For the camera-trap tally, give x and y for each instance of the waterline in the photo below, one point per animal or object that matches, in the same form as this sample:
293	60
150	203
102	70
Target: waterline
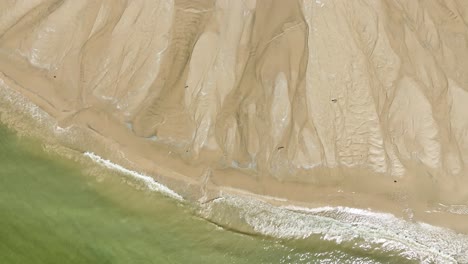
147	180
355	227
414	240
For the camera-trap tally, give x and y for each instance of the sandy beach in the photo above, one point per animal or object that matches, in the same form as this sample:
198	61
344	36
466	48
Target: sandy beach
361	104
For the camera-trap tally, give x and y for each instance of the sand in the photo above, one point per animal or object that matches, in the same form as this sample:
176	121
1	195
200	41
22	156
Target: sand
352	103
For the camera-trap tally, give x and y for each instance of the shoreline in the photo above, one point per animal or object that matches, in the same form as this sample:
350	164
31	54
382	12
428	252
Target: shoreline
201	183
205	186
283	219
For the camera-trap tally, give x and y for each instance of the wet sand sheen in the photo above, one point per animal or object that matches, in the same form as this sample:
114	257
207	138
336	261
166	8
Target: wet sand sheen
53	213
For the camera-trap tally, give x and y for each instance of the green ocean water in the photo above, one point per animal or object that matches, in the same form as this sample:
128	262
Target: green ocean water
51	211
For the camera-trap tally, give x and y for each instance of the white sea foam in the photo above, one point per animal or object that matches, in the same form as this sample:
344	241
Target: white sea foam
360	228
149	181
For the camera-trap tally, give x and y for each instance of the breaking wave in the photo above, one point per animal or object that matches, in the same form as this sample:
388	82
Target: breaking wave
360	229
357	228
147	180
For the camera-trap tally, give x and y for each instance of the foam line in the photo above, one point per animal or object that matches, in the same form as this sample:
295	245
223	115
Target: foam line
149	181
364	229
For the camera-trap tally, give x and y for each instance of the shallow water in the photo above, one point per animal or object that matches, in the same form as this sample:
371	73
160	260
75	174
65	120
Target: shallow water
55	211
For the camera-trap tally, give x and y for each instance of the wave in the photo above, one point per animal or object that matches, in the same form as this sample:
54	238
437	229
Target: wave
361	228
149	181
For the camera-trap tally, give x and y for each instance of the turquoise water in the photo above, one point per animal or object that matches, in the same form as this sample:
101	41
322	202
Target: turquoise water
54	211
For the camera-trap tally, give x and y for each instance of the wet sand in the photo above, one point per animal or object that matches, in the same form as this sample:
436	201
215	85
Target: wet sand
359	104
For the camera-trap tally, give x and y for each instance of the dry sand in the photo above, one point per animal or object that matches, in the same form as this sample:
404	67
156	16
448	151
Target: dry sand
325	102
